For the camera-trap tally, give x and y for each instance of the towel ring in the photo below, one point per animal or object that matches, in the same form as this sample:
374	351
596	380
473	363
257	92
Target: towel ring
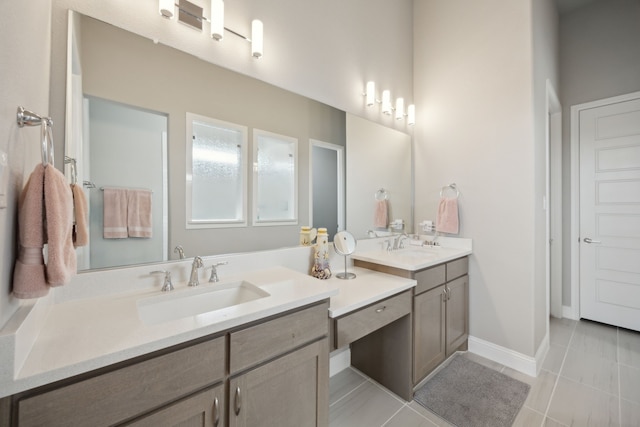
451	186
381	194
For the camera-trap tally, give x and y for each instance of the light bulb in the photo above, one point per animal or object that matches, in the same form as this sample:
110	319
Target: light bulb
256	38
217	19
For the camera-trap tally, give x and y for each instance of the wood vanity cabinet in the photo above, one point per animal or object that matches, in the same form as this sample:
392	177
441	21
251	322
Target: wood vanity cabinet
273	372
292	388
440	312
440	315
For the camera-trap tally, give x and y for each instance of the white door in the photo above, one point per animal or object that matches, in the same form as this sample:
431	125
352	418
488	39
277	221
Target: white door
610	214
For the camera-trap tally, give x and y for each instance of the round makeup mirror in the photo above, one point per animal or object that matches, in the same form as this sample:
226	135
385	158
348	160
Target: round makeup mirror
344	244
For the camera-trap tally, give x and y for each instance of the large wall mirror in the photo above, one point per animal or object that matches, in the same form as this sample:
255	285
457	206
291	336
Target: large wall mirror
111	66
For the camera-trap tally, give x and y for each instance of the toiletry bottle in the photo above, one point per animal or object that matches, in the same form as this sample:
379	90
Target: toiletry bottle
320	269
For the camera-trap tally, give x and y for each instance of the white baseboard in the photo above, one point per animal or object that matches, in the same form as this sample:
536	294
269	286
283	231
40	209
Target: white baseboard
526	364
339	360
568	313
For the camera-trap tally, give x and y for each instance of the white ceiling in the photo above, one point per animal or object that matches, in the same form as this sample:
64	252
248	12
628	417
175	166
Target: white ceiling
567	6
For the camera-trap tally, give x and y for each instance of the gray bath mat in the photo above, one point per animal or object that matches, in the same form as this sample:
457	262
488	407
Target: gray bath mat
468	394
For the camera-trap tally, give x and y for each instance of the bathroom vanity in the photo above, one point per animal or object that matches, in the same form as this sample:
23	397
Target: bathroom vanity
416	330
118	355
271	362
101	361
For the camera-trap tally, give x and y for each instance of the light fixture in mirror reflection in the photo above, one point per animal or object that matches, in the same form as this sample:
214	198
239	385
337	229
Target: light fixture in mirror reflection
127	69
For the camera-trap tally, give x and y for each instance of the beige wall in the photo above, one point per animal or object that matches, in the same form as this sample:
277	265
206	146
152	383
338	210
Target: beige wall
473	85
599	58
24	80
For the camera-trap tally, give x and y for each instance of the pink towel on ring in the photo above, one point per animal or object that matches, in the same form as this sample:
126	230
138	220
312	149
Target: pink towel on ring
29	280
45	215
447	217
115	213
139	213
380	215
81	229
58	202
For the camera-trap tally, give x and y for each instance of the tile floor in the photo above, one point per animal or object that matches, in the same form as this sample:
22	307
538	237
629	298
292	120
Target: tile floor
590	377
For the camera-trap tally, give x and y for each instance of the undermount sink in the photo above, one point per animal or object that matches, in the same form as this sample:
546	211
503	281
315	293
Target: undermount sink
194	301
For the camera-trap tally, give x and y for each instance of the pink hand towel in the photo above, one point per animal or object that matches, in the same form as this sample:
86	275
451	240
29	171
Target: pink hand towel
139	213
380	215
58	202
447	217
29	279
81	228
115	213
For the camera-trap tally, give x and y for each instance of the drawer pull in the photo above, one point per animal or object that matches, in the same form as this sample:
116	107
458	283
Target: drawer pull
381	309
238	401
216	412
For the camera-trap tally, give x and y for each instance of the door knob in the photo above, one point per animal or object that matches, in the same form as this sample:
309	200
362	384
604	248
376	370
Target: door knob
589	240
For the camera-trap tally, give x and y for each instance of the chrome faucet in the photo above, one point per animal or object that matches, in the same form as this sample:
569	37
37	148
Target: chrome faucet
180	251
214	271
167	285
193	279
398	242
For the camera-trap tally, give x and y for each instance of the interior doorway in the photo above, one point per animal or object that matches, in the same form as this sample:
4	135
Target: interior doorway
554	202
326	187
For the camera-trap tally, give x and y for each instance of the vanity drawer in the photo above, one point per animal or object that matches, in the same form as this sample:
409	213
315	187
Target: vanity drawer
430	278
457	268
119	395
366	320
256	344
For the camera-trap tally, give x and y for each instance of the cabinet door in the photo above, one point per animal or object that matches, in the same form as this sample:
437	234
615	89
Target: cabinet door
428	332
457	313
200	410
292	390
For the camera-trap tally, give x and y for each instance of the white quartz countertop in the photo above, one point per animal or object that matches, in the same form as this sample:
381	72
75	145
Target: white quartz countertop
413	257
81	330
81	335
367	288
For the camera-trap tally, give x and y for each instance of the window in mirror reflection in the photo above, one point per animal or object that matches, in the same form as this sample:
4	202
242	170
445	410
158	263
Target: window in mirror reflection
275	186
216	173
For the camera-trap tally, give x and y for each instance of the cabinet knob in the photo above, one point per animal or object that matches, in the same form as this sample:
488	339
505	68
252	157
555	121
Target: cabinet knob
381	309
216	412
237	401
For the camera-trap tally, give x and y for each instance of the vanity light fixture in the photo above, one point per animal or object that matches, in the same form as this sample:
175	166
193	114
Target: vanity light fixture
411	115
217	19
387	107
399	108
166	8
386	102
256	38
370	93
193	16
